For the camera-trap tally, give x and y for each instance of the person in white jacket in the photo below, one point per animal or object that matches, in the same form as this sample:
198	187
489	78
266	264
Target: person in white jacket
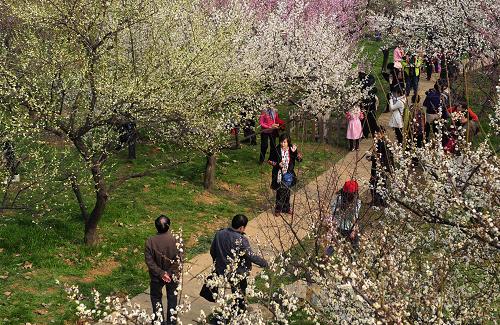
397	106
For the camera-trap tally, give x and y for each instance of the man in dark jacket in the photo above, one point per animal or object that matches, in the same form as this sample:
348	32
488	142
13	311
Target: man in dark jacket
163	259
369	103
230	244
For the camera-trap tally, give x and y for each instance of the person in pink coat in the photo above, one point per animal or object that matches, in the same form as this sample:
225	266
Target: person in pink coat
354	128
398	55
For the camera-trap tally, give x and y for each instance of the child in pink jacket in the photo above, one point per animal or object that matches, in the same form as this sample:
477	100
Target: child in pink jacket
354	128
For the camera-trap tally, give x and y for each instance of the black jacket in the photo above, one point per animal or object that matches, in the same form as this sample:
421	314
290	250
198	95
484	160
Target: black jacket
227	241
275	159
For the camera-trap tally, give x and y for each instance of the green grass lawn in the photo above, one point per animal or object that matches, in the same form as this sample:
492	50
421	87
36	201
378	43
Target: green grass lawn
38	249
373	55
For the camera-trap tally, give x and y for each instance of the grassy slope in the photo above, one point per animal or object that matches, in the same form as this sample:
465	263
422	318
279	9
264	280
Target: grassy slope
52	244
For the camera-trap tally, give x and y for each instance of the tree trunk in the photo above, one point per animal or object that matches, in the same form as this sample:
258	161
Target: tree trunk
131	146
90	237
385	52
209	178
237	144
79	198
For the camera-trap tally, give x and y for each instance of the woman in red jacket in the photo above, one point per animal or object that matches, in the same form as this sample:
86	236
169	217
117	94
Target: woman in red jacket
270	123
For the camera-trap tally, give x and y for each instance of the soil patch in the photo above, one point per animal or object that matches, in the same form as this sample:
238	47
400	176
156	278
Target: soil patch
206	198
102	269
232	188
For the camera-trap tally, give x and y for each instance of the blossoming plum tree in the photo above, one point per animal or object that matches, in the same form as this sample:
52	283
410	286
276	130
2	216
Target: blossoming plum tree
70	69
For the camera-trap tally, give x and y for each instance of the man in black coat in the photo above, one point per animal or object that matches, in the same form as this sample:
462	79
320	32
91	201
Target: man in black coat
369	104
230	244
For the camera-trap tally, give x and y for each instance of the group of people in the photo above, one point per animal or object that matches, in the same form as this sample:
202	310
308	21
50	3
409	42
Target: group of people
439	112
231	253
164	256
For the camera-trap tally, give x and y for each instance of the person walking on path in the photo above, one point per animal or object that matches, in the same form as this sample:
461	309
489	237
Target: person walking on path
163	259
411	68
231	244
283	160
381	158
417	122
354	128
270	123
397	106
369	104
433	110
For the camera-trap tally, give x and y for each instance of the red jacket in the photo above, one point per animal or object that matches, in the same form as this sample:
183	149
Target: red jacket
266	121
472	115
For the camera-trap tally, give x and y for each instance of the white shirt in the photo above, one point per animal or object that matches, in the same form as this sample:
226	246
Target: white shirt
397	109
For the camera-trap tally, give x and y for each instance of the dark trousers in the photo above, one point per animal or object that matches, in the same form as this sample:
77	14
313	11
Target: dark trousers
156	287
420	140
249	135
370	124
241	289
264	139
399	134
354	241
282	199
353	144
411	83
429	71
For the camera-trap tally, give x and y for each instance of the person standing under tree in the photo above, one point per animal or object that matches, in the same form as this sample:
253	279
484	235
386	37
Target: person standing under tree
270	123
369	104
9	158
354	128
163	259
398	55
283	175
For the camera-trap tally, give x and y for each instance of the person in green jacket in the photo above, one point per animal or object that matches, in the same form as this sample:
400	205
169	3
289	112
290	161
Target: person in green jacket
411	67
